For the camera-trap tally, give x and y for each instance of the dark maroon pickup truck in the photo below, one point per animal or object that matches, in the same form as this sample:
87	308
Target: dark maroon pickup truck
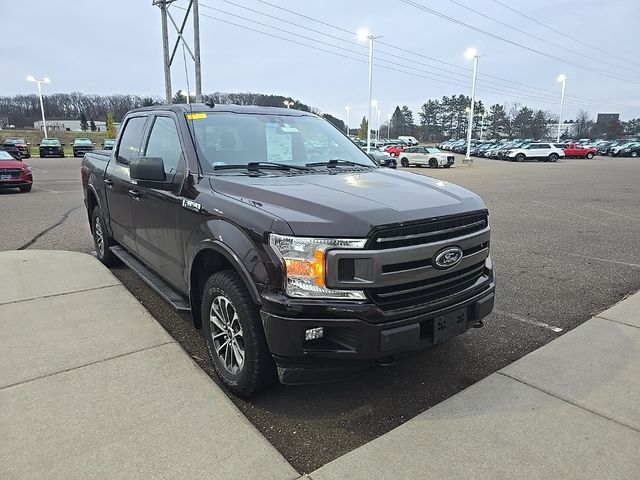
297	255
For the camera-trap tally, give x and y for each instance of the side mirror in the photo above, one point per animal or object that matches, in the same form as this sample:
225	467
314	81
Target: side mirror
149	172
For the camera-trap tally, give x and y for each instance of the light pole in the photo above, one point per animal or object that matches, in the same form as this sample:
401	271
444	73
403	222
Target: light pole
378	115
482	125
364	34
30	78
469	54
561	78
389	127
288	103
348	109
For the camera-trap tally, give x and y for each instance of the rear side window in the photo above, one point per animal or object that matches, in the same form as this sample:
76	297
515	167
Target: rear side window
131	140
544	145
164	142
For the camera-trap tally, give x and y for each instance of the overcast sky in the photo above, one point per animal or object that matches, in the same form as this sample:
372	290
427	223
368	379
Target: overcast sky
115	46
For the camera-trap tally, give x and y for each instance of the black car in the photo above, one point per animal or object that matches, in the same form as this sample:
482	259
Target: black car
21	144
297	263
51	147
383	159
108	143
81	146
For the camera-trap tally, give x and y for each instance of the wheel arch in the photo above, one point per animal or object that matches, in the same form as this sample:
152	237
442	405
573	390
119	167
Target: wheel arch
214	256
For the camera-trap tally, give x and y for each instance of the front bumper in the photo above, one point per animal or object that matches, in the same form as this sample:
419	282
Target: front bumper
351	344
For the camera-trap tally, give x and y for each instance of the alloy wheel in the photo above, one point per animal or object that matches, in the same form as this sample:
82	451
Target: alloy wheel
226	334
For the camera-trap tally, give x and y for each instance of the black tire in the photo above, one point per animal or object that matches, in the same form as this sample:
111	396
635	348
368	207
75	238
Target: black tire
433	163
553	157
447	166
101	239
25	188
404	162
246	366
520	157
589	155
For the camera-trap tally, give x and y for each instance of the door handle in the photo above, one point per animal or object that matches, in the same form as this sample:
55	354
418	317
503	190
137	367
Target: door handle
108	182
135	194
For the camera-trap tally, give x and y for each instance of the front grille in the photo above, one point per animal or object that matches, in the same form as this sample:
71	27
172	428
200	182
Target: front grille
426	291
423	233
15	173
420	283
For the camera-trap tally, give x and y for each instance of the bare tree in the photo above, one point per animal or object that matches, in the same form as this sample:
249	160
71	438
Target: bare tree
584	123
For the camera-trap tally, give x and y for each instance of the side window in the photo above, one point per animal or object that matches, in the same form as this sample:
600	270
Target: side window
164	143
544	145
131	140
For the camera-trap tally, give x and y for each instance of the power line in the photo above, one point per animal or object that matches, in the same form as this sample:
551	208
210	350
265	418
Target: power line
386	67
544	40
511	42
564	34
344	30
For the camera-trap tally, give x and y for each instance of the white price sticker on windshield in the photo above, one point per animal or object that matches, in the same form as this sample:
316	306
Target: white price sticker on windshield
278	145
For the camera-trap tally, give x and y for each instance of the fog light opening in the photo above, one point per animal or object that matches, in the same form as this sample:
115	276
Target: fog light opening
313	333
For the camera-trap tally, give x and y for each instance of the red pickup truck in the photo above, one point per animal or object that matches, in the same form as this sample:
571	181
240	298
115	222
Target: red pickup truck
573	150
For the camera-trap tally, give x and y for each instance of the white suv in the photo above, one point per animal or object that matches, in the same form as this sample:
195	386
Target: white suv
547	152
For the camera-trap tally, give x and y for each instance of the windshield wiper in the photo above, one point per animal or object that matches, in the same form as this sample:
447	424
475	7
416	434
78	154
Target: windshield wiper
335	162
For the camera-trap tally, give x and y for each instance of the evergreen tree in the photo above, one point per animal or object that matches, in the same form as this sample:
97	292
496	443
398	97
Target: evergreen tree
92	126
84	125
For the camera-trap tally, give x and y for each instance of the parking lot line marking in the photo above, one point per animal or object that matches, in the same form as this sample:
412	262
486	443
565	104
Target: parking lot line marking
39	170
604	260
614	213
529	321
571	213
45	189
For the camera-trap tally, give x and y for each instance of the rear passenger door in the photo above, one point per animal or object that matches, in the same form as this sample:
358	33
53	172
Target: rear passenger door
156	213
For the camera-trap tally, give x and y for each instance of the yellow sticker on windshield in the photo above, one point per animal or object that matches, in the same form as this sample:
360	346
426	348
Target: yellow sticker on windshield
196	116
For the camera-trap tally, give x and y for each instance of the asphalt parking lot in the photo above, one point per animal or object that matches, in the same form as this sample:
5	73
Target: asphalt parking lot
564	243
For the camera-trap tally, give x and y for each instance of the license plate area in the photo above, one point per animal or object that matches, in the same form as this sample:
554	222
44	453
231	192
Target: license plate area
5	177
449	325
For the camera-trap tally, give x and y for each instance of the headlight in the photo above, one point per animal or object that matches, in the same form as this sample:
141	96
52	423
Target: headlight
304	261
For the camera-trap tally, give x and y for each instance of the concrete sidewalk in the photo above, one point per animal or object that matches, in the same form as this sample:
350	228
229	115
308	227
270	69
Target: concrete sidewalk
569	410
92	387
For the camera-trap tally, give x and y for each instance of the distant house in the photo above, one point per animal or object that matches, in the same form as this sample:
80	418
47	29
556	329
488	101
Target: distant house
67	125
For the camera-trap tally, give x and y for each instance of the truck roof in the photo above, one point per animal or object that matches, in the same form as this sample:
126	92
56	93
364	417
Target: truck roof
182	108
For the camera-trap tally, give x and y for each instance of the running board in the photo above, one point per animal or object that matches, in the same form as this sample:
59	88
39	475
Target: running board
166	291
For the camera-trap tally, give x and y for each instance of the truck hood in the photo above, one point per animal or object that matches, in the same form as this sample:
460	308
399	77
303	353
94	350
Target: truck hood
348	205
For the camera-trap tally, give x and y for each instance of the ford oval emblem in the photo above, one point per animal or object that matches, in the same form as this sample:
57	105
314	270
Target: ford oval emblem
447	258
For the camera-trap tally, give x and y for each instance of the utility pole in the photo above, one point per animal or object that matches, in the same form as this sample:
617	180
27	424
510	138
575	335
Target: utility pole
168	57
196	49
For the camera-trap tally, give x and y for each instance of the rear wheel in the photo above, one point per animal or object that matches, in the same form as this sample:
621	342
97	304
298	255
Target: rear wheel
634	154
25	188
404	162
589	155
433	163
520	157
234	335
553	157
101	239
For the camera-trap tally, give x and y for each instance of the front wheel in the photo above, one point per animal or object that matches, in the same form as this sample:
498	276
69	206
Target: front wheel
634	154
520	157
234	335
404	162
101	239
589	155
433	163
553	157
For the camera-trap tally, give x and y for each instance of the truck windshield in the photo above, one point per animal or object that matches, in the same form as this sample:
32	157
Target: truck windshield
232	139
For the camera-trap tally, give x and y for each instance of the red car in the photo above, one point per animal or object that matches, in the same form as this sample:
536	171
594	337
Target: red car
394	150
14	173
573	150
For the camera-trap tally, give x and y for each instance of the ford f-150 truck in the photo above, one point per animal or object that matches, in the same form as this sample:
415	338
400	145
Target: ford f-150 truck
298	256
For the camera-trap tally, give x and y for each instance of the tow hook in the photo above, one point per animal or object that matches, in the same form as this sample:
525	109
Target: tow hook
480	324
